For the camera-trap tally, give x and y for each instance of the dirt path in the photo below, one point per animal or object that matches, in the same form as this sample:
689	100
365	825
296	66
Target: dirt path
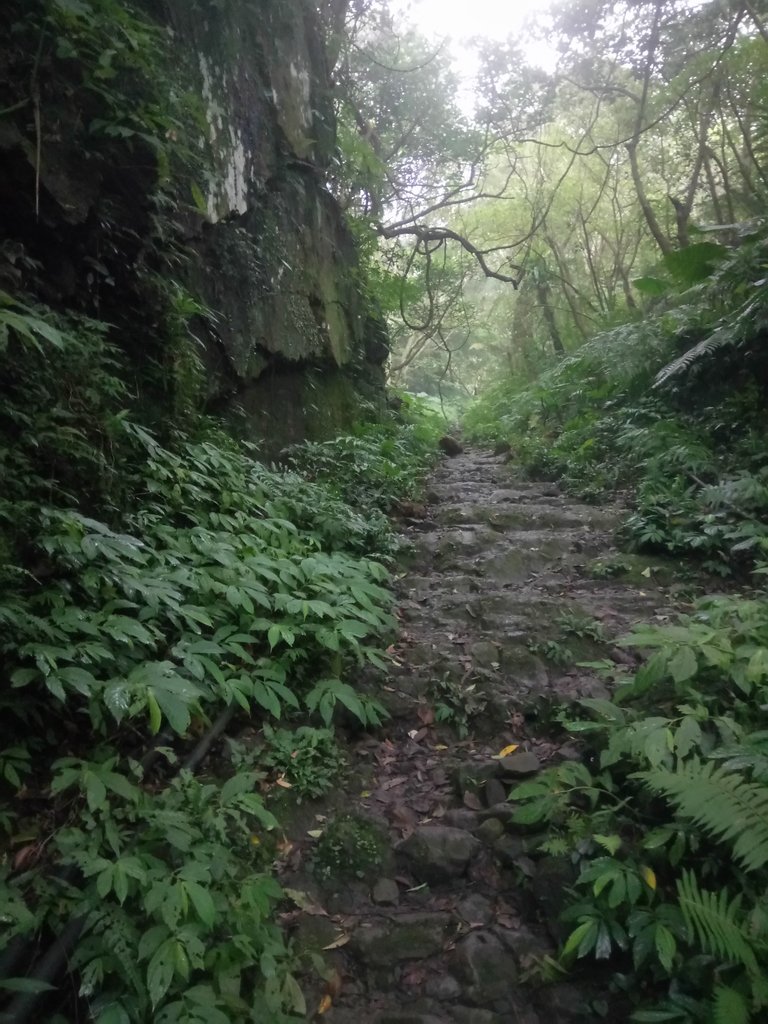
498	601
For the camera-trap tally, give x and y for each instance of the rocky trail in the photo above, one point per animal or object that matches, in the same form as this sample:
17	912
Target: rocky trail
507	585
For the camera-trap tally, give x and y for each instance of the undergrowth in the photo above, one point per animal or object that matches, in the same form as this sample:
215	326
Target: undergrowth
147	586
665	820
670	407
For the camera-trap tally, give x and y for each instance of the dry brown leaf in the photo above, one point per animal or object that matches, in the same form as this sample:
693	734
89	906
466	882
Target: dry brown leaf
398	780
325	1004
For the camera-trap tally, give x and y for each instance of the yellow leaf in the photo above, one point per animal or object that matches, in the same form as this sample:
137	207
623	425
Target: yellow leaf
508	750
255	841
315	833
365	794
649	876
325	1004
284	783
342	940
440	746
646	572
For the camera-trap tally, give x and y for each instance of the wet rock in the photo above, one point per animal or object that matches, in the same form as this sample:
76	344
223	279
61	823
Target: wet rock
473	1015
312	932
475	909
488	971
443	987
494	792
526	946
385	891
449	445
473	775
461	817
522	762
562	1002
485	654
384	942
504	811
438	853
508	849
489	831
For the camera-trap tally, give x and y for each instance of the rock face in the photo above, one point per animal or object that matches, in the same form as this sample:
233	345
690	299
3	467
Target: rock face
207	169
296	342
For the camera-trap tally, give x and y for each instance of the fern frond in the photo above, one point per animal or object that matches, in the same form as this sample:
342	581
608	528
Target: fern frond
723	337
730	1007
722	802
712	922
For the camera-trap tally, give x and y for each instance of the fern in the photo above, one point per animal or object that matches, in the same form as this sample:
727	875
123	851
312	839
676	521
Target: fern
730	1007
727	806
713	922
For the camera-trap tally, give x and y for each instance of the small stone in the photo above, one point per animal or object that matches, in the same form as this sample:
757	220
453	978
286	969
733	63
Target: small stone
494	792
438	853
385	891
488	970
314	932
508	849
473	775
485	654
520	763
504	811
442	986
569	752
473	1015
489	831
475	909
384	942
461	817
524	945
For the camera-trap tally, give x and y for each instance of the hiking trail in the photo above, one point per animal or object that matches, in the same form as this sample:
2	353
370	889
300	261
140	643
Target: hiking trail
499	599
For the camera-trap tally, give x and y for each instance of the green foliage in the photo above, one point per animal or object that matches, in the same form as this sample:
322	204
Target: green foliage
308	758
378	466
148	586
686	435
350	848
665	818
457	702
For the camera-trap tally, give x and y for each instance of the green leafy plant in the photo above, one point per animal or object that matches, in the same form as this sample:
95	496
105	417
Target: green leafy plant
350	847
309	759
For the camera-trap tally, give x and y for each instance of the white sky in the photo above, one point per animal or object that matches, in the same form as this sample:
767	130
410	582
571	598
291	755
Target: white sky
460	20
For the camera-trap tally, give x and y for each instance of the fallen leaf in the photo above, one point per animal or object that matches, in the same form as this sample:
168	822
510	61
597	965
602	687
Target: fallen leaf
315	833
284	783
646	572
440	746
325	1004
397	781
506	751
649	876
337	943
472	802
305	902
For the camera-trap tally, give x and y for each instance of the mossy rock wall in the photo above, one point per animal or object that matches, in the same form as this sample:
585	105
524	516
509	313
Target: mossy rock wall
293	348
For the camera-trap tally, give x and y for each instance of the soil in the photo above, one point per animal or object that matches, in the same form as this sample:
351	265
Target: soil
506	586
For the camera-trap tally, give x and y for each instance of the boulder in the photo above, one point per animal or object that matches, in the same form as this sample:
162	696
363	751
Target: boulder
438	853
